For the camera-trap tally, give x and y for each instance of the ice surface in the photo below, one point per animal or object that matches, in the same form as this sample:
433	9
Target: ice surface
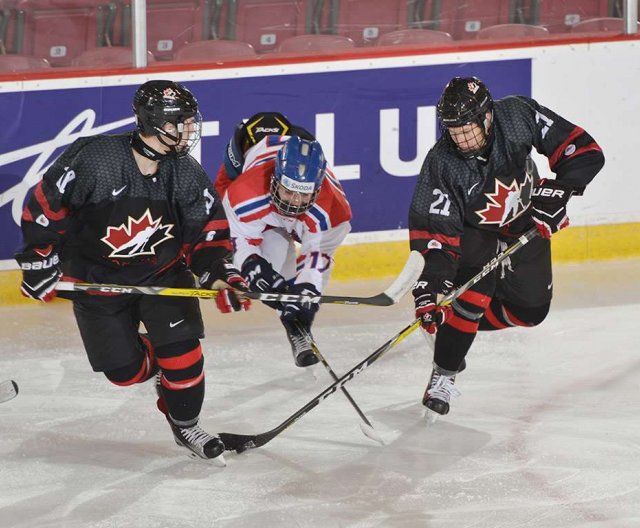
545	434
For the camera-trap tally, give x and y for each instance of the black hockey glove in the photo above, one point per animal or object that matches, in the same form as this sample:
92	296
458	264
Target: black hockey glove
302	312
261	277
40	273
425	297
225	277
549	200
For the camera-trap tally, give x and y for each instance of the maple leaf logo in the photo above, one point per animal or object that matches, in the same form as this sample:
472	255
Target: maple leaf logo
507	202
139	237
169	93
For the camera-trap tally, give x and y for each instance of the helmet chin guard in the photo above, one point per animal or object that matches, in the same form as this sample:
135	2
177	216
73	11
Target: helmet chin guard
298	176
168	111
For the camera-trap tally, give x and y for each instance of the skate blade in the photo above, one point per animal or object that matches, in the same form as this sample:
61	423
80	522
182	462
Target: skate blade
370	432
218	461
431	417
312	372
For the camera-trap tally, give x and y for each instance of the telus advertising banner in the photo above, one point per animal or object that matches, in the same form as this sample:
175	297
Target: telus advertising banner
375	125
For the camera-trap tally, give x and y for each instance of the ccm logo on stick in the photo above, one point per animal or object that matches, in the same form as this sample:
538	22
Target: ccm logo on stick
115	289
289	298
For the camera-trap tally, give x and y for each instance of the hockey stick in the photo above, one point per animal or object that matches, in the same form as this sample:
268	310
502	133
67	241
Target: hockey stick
366	427
8	390
240	442
490	266
403	283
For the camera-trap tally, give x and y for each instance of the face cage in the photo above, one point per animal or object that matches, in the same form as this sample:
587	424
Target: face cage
480	137
180	146
286	208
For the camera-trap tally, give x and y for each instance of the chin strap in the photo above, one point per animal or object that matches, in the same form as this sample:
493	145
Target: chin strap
145	150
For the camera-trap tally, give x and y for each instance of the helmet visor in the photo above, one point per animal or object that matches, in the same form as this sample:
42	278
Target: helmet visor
182	134
470	139
290	200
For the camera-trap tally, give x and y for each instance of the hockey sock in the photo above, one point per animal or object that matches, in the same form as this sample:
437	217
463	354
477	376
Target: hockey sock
455	337
182	379
137	371
451	347
503	314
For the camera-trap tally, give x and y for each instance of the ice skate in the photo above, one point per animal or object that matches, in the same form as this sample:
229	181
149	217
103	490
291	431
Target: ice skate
300	345
439	392
199	443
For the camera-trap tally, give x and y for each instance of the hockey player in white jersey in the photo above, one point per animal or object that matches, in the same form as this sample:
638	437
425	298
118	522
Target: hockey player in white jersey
287	216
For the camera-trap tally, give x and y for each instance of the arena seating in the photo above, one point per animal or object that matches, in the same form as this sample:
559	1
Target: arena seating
59	30
512	31
214	50
405	37
315	43
15	63
560	15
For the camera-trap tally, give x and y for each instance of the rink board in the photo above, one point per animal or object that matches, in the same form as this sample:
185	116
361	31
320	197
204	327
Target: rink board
375	118
385	259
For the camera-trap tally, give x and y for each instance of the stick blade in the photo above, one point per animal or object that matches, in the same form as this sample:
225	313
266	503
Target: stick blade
370	432
407	277
239	442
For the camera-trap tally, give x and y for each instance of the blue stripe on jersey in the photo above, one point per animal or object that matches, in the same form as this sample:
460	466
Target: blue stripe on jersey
321	217
273	139
253	206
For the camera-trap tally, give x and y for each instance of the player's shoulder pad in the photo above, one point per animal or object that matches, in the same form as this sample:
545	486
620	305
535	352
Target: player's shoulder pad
250	184
264	151
249	133
90	147
333	200
514	106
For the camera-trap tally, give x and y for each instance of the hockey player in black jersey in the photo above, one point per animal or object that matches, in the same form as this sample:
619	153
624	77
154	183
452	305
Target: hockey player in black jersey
137	209
477	190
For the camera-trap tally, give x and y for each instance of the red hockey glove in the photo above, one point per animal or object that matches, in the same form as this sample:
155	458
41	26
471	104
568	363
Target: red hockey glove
549	200
261	277
225	277
425	296
303	312
40	273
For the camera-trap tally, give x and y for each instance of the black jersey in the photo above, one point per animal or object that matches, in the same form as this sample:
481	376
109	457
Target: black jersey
493	192
112	224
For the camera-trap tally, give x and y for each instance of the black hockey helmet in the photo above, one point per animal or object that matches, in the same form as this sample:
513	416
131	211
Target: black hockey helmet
158	103
263	124
250	132
464	100
467	100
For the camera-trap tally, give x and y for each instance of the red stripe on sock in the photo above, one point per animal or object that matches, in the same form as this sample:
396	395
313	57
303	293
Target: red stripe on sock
182	384
181	362
512	318
475	298
468	327
493	320
140	376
